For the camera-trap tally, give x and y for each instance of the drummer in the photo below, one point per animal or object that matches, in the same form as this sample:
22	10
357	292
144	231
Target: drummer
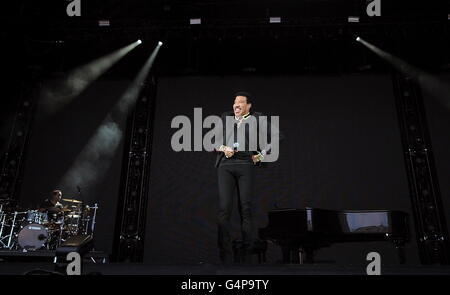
52	205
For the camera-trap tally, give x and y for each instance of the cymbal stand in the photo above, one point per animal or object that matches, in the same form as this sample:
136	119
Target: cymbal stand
61	229
86	222
93	219
12	230
3	219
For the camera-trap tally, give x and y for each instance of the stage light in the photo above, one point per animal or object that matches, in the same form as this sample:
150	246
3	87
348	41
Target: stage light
429	83
103	23
160	43
275	20
139	41
129	98
97	156
60	93
195	21
358	39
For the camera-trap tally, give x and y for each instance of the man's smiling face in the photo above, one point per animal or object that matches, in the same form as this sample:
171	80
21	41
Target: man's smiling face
240	106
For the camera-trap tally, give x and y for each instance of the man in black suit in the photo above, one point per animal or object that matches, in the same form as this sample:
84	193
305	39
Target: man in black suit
236	166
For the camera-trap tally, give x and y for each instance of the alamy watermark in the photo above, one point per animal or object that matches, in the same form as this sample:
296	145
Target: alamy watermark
374	267
246	134
74	8
373	8
74	265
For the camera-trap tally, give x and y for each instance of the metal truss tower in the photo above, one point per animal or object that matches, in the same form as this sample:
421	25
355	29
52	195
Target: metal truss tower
428	211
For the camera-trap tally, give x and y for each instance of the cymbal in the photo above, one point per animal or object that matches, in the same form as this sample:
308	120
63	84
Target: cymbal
74	216
71	200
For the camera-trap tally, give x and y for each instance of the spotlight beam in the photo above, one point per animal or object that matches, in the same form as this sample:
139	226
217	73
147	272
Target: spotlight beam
129	98
54	98
434	86
96	157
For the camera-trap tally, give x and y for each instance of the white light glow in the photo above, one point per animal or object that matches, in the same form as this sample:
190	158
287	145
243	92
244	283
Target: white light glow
195	21
275	20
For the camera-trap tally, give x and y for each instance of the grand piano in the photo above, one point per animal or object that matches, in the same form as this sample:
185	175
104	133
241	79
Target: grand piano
300	232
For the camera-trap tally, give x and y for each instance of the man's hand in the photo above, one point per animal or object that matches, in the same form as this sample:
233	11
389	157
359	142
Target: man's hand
257	158
229	152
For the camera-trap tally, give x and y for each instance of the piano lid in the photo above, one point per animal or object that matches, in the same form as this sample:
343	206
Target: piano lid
333	221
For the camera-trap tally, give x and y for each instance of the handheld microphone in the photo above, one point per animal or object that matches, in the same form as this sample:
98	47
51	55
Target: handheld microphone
235	146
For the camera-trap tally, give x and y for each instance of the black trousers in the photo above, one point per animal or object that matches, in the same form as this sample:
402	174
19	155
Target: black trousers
235	180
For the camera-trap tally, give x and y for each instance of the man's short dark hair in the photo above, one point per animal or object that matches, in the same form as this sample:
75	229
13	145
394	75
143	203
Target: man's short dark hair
246	94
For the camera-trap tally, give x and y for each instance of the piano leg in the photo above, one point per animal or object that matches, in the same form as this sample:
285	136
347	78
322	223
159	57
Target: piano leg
297	255
291	255
306	255
286	251
400	246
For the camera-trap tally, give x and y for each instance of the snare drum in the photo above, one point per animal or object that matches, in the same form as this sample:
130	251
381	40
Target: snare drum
33	236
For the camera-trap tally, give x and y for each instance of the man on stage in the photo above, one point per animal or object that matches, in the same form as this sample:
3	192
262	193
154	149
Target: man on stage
52	205
236	174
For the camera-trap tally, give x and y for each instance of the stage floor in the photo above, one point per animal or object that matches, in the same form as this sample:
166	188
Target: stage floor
21	268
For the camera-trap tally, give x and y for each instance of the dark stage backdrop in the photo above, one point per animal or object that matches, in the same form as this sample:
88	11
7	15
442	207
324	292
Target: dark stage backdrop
342	151
56	142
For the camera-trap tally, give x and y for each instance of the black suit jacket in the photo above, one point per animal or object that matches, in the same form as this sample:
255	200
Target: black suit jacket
220	155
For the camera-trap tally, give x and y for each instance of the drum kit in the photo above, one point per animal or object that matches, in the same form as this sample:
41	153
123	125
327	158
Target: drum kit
33	229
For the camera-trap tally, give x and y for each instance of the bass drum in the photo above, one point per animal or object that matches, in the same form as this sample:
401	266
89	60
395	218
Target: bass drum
33	236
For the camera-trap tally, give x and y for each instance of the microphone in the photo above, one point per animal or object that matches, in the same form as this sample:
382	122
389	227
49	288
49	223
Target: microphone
235	146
